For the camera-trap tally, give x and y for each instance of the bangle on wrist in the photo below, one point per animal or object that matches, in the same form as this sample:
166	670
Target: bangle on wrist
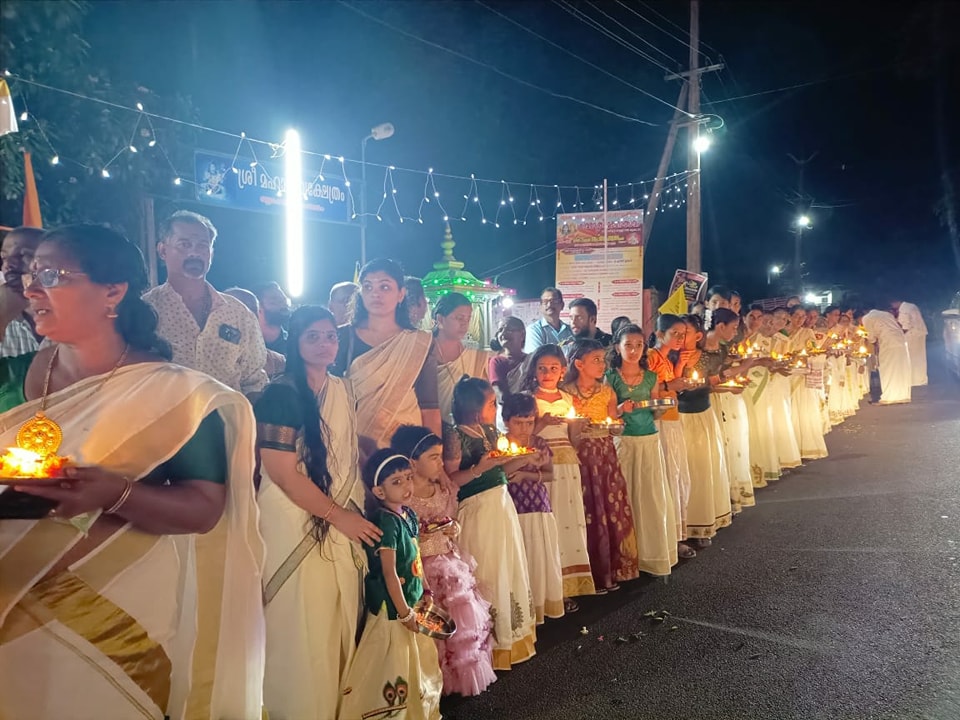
326	515
124	496
406	618
474	472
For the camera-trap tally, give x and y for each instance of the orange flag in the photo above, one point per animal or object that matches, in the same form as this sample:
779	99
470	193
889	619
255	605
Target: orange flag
31	200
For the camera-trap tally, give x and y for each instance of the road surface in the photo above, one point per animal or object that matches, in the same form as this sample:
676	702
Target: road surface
836	597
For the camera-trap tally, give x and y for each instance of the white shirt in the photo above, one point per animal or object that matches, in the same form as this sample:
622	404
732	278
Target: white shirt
911	320
230	345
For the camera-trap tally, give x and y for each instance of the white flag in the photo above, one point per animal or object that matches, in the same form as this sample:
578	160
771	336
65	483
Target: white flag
8	116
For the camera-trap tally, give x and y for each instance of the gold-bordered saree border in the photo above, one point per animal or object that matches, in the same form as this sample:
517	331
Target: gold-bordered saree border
382	378
46	541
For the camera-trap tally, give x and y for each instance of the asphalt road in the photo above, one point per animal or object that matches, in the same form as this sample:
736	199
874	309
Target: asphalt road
837	596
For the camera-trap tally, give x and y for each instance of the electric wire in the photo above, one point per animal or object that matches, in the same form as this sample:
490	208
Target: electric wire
602	29
671	22
636	35
501	268
492	68
561	48
592	23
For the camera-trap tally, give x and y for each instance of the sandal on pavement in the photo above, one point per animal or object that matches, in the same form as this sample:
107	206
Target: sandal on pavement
569	606
685	552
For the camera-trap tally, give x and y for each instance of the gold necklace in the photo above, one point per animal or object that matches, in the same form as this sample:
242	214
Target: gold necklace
42	435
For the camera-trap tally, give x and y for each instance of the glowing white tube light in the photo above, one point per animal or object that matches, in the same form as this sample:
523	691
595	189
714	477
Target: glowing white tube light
293	195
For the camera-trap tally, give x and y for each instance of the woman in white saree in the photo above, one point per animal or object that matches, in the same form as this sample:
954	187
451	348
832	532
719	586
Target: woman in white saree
390	367
131	589
310	500
452	315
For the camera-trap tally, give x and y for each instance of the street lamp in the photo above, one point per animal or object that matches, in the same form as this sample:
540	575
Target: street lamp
774	270
701	143
380	132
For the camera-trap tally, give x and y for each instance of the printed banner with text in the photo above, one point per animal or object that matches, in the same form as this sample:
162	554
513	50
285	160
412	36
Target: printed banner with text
609	272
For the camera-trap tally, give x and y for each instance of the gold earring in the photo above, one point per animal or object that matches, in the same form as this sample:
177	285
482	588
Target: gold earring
112	312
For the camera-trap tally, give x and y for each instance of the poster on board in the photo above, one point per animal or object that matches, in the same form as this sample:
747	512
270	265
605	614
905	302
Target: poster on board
694	285
608	270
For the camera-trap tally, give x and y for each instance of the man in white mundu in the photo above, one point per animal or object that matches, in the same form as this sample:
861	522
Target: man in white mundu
895	372
911	320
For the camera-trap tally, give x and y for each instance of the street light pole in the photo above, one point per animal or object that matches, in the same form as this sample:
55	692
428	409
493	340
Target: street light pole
801	226
363	201
380	132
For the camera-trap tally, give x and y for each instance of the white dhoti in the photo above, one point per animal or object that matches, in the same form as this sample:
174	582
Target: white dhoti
917	347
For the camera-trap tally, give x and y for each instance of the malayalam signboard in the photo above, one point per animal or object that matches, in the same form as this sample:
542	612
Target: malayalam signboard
608	270
260	187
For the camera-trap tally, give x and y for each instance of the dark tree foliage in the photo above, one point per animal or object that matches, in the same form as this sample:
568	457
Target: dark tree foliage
43	42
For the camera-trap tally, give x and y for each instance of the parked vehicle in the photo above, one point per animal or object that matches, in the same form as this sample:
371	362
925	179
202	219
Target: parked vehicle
951	335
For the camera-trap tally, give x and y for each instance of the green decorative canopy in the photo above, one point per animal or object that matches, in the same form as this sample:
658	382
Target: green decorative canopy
448	276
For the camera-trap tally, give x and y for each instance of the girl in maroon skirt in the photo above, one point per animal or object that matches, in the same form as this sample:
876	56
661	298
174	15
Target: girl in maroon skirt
611	540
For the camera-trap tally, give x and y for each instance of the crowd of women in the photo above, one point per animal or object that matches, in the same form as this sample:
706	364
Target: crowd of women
172	571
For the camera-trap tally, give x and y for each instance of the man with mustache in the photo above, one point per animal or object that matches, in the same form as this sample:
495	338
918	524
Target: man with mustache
273	315
208	331
16	327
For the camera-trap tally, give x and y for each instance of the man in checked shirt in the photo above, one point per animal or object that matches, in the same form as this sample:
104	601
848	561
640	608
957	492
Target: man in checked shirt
208	330
16	328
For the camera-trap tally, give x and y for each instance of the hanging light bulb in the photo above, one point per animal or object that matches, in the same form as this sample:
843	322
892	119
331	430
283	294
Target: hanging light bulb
176	181
133	148
105	173
55	160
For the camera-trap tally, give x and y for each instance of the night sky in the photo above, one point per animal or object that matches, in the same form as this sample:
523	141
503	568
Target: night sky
332	73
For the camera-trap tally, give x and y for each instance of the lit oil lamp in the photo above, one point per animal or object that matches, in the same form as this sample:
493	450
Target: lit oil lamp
18	462
35	455
507	448
572	414
695	378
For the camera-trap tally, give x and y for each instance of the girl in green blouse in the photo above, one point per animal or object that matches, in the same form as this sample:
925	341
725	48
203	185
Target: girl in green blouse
396	671
640	453
490	530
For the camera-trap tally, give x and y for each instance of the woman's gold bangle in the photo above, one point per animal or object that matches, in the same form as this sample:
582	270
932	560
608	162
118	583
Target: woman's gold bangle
124	496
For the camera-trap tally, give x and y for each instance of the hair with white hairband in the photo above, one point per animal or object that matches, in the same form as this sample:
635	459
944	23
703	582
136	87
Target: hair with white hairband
421	441
381	466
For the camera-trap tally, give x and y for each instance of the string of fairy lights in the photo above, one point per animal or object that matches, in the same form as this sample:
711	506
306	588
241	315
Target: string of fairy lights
491	202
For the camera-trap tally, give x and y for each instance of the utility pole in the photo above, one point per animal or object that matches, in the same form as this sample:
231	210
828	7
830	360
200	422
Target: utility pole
691	92
801	203
654	199
693	156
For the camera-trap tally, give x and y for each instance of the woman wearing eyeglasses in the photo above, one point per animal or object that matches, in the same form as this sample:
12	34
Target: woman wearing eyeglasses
132	586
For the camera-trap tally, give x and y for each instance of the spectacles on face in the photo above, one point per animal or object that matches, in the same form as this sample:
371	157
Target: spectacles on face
47	277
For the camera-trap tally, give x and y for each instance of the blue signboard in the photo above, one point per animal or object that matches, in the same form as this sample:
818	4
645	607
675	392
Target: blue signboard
221	181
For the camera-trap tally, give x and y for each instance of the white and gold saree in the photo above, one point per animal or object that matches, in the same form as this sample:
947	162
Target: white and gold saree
142	626
472	362
382	380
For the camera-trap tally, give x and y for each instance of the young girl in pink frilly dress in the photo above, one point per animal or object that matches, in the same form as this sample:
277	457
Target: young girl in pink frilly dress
466	658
